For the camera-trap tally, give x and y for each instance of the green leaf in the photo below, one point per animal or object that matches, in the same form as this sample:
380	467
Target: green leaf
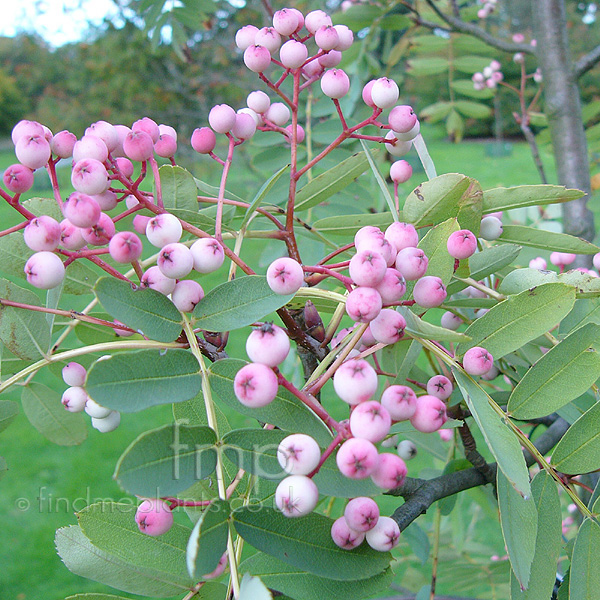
167	460
455	126
96	597
348	225
418	541
82	558
44	206
561	375
14	253
299	584
465	87
584	580
436	112
519	520
8	411
449	195
473	110
519	319
111	527
400	358
547	542
419	328
140	308
3	467
45	412
208	541
25	333
471	64
526	195
306	543
286	411
381	182
546	240
193	412
211	190
579	450
501	441
132	381
262	193
178	188
237	303
585	311
331	482
332	181
79	279
433	65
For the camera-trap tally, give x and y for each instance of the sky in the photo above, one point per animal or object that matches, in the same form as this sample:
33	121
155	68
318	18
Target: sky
57	21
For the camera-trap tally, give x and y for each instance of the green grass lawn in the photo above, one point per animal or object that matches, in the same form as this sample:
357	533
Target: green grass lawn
46	484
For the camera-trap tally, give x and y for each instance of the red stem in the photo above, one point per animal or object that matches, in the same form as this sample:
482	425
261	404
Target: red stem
337	440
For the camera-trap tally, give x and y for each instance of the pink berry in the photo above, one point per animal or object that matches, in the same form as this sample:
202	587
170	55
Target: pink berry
412	263
278	113
208	255
244	127
154	517
62	144
300	134
166	146
167	130
400	171
147	125
298	454
42	233
26	128
335	83
125	166
90	146
388	326
366	234
221	118
296	496
402	235
400	401
74	374
361	514
395	146
255	385
269	38
429	292
332	59
451	321
477	361
140	223
366	93
355	381
326	37
18	178
562	259
409	135
430	414
74	399
357	458
220	568
125	247
122	131
540	264
402	118
163	229
406	450
285	21
363	304
106	132
204	140
390	472
101	233
257	58
175	260
71	236
462	244
44	270
344	537
385	535
33	151
370	421
440	387
138	146
258	101
106	201
345	37
187	294
316	19
367	268
154	279
392	287
384	93
285	276
377	242
81	210
89	176
293	54
268	344
245	36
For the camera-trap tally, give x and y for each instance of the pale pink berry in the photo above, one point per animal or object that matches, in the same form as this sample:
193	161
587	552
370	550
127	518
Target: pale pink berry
221	118
345	38
332	59
392	287
363	304
89	176
125	166
402	235
402	118
258	101
388	326
74	374
166	146
154	279
477	361
25	128
278	113
406	450
106	201
175	260
344	537
595	260
258	120
138	146
90	146
18	178
245	36
412	263
42	233
163	229
255	385
312	69
107	424
473	292
74	399
384	92
257	58
326	37
298	454
125	247
385	535
268	344
244	127
93	409
355	381
370	421
204	140
440	387
106	132
430	414
400	401
154	517
62	144
357	458
335	83
122	131
285	276
361	514
451	321
140	223
208	255
186	295
377	242
400	171
167	130
429	292
366	93
44	270
285	21
81	210
491	228
366	234
390	472
540	264
101	233
147	125
296	496
562	259
71	236
395	146
293	54
33	151
367	268
269	38
462	244
316	19
409	135
300	134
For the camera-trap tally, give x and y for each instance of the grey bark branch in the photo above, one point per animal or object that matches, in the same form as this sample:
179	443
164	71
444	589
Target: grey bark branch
587	61
420	494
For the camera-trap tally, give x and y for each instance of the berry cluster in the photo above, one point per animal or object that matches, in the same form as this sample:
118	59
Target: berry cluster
490	77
